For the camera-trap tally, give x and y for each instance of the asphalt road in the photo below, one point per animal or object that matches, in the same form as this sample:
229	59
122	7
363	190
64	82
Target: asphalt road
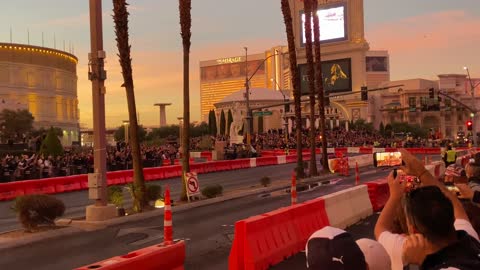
208	231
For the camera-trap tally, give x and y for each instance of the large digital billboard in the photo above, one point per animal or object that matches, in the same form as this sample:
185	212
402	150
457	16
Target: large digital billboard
231	70
336	76
333	25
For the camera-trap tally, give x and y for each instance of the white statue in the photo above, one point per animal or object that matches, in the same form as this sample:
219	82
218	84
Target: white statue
236	125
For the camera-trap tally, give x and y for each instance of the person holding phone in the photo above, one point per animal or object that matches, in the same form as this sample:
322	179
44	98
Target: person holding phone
439	232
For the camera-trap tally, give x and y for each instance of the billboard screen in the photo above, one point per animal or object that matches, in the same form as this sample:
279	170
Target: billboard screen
377	64
336	75
333	26
231	71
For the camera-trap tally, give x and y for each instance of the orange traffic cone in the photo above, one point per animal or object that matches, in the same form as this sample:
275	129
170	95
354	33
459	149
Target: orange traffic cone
293	189
357	174
167	219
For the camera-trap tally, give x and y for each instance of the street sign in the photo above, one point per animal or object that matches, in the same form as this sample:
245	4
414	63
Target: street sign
265	113
193	187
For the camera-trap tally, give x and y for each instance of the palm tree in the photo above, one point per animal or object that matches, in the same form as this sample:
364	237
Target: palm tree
287	17
120	17
185	7
319	80
311	82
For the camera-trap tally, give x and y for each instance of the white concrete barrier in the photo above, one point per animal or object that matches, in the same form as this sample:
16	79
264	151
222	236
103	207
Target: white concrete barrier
379	150
281	160
253	162
347	207
353	150
195	154
330	150
362	160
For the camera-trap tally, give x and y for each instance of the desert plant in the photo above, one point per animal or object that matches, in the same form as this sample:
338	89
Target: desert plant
212	191
38	209
265	181
115	195
154	192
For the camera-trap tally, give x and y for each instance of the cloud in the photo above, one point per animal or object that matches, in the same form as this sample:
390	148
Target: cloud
434	43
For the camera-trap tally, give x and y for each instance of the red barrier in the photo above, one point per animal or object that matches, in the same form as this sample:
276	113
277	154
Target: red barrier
67	183
210	167
265	240
343	150
378	192
365	150
197	167
207	155
116	178
152	174
291	159
128	174
45	186
223	165
155	257
391	150
10	191
172	171
265	161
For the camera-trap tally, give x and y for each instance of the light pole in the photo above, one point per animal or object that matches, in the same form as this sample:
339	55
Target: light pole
248	118
285	122
180	124
97	181
474	107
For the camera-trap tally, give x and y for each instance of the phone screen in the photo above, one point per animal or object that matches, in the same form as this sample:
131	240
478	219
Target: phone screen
387	159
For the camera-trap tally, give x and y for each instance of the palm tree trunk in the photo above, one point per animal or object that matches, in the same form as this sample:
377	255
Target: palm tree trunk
120	18
320	90
185	7
311	83
287	16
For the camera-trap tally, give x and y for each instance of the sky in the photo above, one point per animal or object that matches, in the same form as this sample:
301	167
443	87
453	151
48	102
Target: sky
424	38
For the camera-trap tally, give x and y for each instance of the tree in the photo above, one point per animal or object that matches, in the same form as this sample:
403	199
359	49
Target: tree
222	123
119	134
214	124
211	119
388	130
229	121
51	145
15	124
381	129
311	83
287	16
260	124
185	7
319	85
120	18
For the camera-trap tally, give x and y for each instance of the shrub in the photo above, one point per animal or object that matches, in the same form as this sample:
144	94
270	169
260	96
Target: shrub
153	192
265	181
37	209
212	191
51	145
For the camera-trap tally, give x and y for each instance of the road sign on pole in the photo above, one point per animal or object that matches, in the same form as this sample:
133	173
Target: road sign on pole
193	187
262	113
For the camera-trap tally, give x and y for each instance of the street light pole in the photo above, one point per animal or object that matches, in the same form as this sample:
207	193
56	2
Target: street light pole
247	97
98	181
474	107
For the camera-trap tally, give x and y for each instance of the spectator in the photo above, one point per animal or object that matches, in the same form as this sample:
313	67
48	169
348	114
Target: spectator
441	235
331	248
472	170
450	156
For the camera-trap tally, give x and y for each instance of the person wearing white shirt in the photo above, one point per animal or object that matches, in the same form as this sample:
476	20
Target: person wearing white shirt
440	235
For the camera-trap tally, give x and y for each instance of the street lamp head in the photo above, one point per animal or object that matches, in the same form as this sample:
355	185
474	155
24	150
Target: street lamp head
465	68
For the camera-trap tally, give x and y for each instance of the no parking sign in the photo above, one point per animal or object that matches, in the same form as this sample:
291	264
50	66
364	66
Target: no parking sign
193	187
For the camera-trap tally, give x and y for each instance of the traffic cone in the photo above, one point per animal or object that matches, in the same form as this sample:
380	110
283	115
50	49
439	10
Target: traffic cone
167	219
357	174
293	189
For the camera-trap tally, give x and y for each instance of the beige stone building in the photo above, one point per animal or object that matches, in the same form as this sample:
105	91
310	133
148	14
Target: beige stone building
44	81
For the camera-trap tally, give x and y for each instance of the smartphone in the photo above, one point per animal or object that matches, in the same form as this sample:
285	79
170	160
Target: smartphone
387	159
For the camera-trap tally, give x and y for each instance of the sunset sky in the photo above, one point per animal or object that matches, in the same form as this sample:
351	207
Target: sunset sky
424	38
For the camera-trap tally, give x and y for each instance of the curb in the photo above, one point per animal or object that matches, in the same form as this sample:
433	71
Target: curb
8	243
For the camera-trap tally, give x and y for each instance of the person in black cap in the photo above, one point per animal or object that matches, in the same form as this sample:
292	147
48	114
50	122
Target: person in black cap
334	249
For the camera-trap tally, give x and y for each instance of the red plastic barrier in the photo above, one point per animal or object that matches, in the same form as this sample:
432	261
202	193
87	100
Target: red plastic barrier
378	192
265	240
10	190
391	150
128	174
67	183
207	155
366	150
152	174
343	150
265	161
291	159
116	178
197	167
45	186
210	167
155	257
172	171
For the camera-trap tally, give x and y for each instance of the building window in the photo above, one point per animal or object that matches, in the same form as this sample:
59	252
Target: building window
447	117
448	104
412	104
429	104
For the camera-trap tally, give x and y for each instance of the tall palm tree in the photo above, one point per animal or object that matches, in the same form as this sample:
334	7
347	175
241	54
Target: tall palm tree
185	7
311	82
319	85
295	76
120	17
